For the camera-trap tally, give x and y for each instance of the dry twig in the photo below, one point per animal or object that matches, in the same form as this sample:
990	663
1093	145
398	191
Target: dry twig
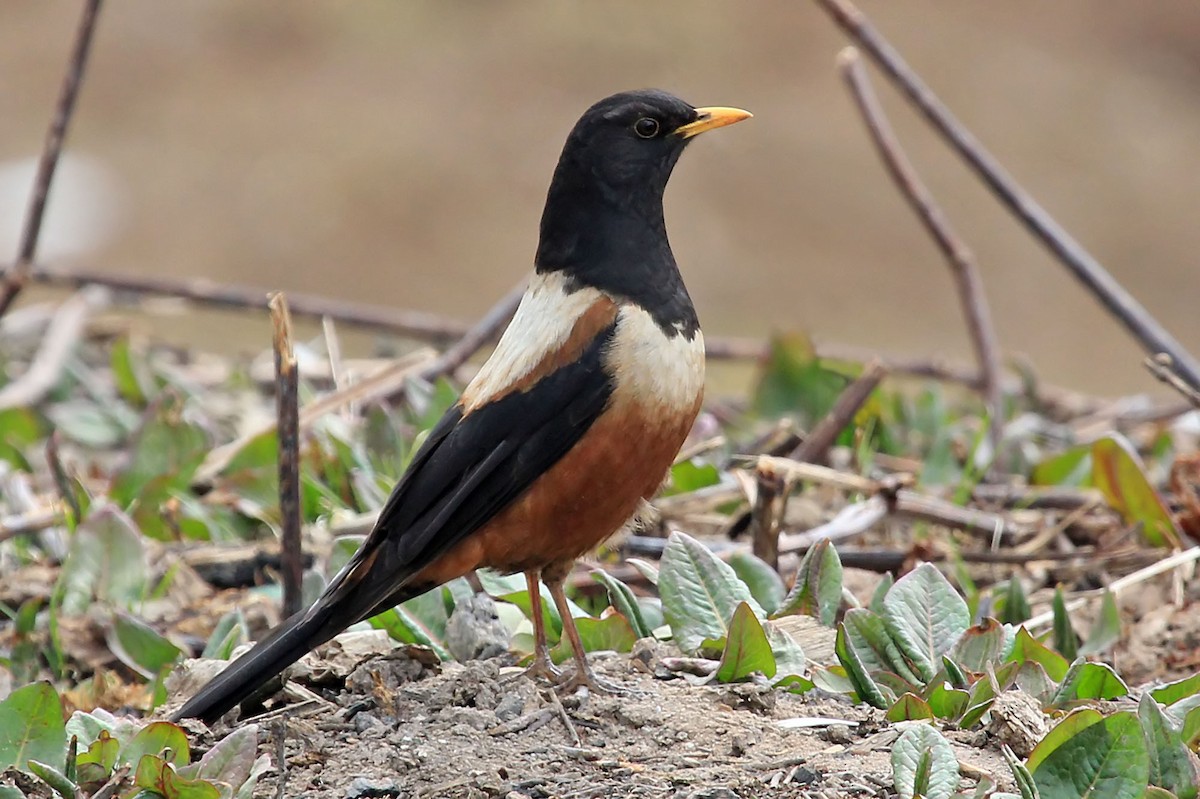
287	386
958	255
16	277
1144	327
1162	367
818	442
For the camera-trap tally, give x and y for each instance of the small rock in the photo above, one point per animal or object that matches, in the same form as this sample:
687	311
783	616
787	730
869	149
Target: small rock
838	734
363	788
475	631
510	707
714	793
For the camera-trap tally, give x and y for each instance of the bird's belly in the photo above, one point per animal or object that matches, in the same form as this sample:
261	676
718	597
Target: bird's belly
593	490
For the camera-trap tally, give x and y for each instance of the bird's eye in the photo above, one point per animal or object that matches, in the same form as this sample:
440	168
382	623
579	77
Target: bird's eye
646	127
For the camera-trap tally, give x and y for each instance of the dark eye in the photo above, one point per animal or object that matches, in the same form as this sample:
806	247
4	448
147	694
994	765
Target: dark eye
646	127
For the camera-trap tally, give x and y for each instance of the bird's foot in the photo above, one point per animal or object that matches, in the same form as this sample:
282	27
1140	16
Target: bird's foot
542	669
584	677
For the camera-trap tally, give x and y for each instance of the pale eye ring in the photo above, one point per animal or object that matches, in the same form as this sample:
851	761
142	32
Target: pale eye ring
646	127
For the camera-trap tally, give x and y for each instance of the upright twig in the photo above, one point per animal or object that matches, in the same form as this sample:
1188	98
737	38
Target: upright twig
17	275
1153	337
818	442
288	412
770	500
959	257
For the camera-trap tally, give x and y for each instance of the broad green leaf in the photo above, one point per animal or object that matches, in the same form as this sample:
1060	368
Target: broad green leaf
647	570
106	562
401	625
817	591
1066	640
926	617
1172	692
32	728
747	650
875	646
612	633
948	703
102	752
86	424
168	447
794	380
623	600
1118	472
1026	647
1089	681
160	739
866	688
790	663
938	778
982	696
764	582
1107	629
699	592
979	645
53	777
1032	678
1088	755
158	776
1171	765
139	646
909	707
261	766
881	590
230	760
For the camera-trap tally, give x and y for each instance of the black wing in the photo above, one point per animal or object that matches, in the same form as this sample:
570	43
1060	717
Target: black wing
469	469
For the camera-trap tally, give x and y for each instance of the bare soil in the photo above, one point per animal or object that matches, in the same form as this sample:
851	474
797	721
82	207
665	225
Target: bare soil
406	729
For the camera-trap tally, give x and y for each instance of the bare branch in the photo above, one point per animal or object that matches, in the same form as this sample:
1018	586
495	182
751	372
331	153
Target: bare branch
287	384
1141	325
958	255
16	277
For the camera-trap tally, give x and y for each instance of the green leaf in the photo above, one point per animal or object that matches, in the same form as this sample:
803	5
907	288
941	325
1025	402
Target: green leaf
909	707
229	633
1066	640
1171	765
817	591
1026	647
32	728
86	424
20	428
160	739
1107	629
938	779
65	788
747	650
106	562
230	760
647	570
609	633
1172	692
979	645
1086	754
261	766
139	646
791	665
875	646
794	380
1021	775
130	373
926	617
1089	681
512	589
948	703
155	774
1072	467
1016	604
1118	472
881	590
699	592
624	601
982	695
691	475
764	582
401	625
866	688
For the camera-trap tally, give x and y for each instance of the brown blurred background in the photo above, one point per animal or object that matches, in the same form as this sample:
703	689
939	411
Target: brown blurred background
398	153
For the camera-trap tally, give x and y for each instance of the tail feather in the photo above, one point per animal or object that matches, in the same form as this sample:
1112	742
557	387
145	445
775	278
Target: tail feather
241	678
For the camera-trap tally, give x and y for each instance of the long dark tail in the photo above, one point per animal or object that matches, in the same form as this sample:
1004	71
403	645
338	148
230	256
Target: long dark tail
286	644
360	591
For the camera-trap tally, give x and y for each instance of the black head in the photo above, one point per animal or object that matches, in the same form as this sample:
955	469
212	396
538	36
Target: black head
603	222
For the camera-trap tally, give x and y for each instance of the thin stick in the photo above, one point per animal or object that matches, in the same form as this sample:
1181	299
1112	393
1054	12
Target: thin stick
1162	367
770	499
958	256
1117	586
821	438
1148	332
288	414
16	277
417	324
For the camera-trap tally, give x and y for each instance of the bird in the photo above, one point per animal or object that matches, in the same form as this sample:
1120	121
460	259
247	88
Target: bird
567	428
